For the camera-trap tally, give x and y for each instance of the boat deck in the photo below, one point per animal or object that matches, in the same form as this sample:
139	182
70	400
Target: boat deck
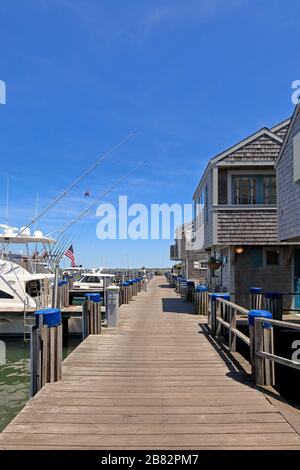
158	381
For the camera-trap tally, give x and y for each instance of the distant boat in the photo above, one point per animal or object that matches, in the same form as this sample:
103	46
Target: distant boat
93	279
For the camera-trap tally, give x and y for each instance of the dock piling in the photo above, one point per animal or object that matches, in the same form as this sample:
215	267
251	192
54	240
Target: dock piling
261	339
201	299
91	315
255	298
45	349
273	302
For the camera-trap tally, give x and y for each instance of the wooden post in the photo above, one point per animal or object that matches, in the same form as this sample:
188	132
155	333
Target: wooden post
190	285
257	361
91	315
255	298
219	311
268	346
213	300
121	295
232	336
274	304
257	335
46	349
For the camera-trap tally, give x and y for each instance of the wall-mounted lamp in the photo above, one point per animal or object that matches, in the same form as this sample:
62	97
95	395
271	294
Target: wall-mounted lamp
239	250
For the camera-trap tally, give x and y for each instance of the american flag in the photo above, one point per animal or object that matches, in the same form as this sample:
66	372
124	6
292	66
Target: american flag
70	254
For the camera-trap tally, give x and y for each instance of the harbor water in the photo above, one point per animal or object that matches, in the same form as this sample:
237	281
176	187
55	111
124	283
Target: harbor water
14	375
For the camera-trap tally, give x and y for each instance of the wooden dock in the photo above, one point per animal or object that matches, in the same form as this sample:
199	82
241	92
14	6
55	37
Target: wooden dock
156	382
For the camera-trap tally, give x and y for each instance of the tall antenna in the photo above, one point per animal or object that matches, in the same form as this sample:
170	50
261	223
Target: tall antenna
36	210
76	181
7	201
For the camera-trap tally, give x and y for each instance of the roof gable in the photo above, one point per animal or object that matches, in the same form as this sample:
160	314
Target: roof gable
263	146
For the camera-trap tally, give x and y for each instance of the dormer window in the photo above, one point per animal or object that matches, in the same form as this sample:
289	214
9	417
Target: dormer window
253	189
244	190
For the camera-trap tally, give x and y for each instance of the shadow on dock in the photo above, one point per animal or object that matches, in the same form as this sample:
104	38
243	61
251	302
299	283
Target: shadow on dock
236	371
177	306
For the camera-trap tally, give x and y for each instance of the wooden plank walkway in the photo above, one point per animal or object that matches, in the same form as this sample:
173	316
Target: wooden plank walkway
154	383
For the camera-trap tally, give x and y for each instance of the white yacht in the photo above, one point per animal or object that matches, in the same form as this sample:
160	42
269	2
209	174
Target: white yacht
25	277
93	279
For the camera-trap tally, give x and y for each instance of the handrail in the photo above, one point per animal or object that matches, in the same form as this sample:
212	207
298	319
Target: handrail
285	324
260	340
227	317
237	307
279	360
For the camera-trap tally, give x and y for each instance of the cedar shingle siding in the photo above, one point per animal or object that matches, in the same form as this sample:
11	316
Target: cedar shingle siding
262	149
288	191
248	227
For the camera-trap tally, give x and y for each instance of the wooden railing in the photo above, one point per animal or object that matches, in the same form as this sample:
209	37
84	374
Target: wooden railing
264	357
223	316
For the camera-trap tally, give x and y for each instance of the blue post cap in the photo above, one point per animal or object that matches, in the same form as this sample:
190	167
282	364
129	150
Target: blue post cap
60	283
221	295
51	316
125	283
190	283
259	314
273	295
64	283
131	282
255	290
201	288
93	296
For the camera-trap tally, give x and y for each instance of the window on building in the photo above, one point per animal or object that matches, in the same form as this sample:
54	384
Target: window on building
244	189
269	190
253	189
273	258
200	264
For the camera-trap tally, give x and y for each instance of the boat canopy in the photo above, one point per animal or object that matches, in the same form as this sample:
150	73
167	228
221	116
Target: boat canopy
25	239
23	236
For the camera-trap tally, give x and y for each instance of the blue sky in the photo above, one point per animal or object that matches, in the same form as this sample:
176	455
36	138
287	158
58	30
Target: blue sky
192	77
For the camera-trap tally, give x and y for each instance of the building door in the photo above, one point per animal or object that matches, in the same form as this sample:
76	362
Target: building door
297	277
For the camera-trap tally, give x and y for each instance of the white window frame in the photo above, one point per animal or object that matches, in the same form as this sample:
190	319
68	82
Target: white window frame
252	172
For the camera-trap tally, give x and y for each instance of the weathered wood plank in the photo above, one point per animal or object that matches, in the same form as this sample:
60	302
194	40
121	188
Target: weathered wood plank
154	383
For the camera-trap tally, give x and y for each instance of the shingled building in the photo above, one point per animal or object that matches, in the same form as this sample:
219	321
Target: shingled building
236	217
